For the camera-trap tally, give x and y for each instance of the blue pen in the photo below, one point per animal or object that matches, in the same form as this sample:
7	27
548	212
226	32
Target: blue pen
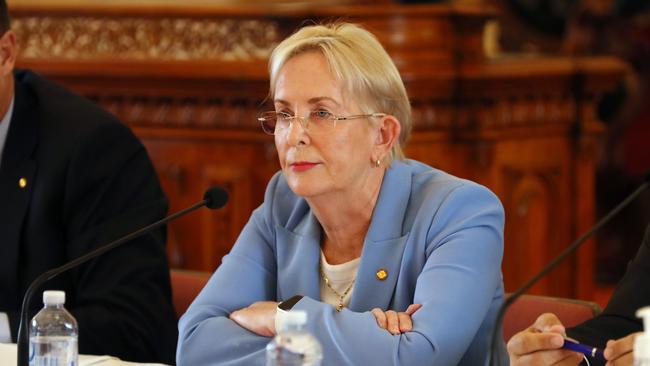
589	351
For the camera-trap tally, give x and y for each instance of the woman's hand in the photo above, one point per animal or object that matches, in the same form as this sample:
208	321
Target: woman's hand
394	322
259	317
621	351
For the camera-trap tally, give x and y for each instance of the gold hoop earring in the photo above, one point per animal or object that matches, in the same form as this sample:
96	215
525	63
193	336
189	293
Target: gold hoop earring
378	163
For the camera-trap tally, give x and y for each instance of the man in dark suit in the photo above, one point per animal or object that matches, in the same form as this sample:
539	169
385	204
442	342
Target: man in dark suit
72	178
615	328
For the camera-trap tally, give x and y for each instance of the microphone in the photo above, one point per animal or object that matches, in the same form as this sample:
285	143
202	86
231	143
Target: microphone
213	198
495	357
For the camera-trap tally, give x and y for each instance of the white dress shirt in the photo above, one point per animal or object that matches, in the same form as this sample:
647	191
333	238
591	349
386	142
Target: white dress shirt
4	127
5	331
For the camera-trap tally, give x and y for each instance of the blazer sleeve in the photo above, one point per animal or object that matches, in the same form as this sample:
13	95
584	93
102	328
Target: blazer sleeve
122	299
246	275
464	246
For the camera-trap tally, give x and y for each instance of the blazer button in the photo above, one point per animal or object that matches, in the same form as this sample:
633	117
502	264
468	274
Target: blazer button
381	274
22	182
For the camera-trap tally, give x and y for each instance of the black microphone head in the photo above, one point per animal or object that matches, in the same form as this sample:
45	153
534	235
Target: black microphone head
215	197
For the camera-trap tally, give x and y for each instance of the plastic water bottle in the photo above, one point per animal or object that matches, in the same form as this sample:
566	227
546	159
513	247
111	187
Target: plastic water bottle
53	334
294	346
642	341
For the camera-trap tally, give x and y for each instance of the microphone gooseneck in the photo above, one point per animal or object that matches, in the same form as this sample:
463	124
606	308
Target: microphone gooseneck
495	357
213	198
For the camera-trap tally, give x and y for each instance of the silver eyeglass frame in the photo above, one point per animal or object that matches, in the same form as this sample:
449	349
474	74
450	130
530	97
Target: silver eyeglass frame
304	121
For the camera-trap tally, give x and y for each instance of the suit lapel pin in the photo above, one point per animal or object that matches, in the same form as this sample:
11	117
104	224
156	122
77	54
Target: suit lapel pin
381	274
22	182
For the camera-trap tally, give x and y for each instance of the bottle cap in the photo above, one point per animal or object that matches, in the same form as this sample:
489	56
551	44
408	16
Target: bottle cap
53	297
295	317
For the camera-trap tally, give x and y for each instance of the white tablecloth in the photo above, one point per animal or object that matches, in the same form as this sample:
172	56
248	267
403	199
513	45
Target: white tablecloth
8	357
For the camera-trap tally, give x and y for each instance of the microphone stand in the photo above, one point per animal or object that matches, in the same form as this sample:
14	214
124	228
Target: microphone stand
213	198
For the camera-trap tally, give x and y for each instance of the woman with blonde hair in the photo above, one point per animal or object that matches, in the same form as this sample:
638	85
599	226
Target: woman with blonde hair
394	262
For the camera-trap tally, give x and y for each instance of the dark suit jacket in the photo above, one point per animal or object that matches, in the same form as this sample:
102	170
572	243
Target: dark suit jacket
618	319
89	180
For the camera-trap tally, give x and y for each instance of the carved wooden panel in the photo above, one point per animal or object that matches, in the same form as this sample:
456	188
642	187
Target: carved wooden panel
199	161
531	202
142	38
190	81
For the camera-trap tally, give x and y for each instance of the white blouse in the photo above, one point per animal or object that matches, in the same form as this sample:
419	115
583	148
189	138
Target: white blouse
340	276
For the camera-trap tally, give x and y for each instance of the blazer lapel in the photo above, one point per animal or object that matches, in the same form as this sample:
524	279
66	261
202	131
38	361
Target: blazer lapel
381	257
17	173
298	256
377	275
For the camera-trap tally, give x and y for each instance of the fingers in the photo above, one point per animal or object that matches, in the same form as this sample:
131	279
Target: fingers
239	317
380	317
624	360
405	322
553	357
412	309
258	318
619	349
549	322
395	322
235	315
529	341
573	359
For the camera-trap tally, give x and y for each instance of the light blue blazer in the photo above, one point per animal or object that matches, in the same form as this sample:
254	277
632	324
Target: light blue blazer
440	238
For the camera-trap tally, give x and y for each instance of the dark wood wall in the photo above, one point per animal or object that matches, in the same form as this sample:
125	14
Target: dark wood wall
189	81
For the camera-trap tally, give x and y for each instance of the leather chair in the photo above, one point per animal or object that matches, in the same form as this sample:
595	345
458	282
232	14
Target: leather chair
186	285
527	308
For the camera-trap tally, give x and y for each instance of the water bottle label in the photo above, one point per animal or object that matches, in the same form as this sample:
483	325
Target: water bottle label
53	351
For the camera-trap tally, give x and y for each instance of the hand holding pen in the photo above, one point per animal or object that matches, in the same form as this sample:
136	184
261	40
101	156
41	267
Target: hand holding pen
545	343
541	344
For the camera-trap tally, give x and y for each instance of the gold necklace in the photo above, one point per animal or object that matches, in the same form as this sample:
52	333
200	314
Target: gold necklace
340	306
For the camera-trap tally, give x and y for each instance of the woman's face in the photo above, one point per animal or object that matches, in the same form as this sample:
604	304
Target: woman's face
321	164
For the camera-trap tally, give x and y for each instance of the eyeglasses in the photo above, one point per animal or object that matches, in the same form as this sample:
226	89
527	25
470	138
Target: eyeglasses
317	122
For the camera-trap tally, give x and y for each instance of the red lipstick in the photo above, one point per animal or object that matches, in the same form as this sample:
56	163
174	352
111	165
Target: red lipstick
302	166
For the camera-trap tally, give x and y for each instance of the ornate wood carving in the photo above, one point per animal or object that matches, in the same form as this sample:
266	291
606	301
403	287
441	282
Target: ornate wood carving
182	111
190	81
144	38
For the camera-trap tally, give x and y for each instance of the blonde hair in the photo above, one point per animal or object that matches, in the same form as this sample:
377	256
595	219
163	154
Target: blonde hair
360	63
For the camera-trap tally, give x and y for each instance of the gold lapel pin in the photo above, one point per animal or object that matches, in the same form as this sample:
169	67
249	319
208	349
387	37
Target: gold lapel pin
22	182
381	274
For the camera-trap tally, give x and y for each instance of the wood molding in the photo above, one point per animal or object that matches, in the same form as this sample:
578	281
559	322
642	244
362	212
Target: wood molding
190	79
